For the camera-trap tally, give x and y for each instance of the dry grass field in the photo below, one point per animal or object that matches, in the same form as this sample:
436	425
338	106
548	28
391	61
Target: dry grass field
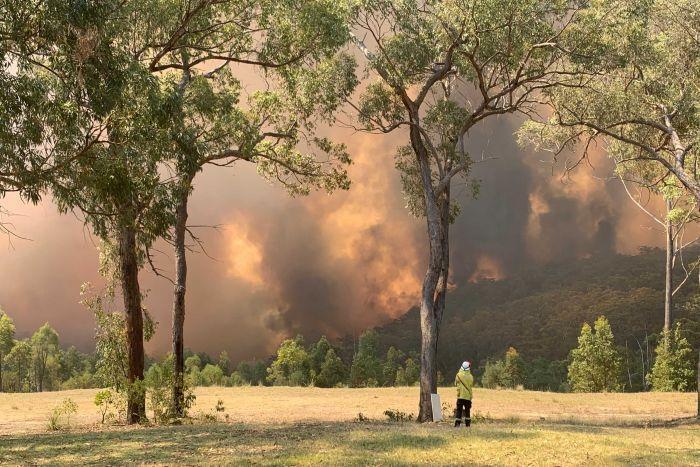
318	426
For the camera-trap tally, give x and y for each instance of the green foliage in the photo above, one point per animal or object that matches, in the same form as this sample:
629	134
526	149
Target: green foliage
397	416
643	104
366	370
224	363
45	357
535	306
508	372
332	373
7	341
110	339
513	369
158	382
674	366
192	363
493	374
212	375
253	373
408	375
63	411
19	361
85	380
106	403
74	363
545	375
317	355
235	379
292	365
391	366
595	364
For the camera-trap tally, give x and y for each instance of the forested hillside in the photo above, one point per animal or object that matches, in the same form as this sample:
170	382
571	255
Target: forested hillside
540	310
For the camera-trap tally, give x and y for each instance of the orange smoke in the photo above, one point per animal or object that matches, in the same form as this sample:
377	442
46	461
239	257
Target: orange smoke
244	256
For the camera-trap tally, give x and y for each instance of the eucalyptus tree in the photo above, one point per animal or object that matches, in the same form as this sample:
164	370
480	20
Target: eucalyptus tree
7	340
45	353
443	67
117	183
679	213
645	107
30	152
199	54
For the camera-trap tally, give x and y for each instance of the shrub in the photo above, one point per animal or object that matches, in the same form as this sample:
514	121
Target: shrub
673	367
292	365
398	416
106	403
493	374
159	389
513	369
366	369
545	375
595	364
332	371
212	375
67	408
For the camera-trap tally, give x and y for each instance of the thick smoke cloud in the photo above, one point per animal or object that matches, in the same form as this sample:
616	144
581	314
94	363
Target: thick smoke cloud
324	264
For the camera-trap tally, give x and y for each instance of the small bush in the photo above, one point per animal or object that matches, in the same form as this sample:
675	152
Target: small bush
107	405
213	416
673	367
361	418
67	408
398	416
478	417
219	407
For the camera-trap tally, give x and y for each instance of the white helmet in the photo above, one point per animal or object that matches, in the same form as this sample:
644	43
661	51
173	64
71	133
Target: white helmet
466	366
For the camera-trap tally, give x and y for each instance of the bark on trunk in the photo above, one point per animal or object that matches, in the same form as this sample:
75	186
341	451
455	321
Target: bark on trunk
129	268
668	295
428	310
178	402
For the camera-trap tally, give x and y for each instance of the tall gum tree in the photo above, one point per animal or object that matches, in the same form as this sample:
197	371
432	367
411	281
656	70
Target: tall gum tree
62	72
116	184
199	54
643	106
442	68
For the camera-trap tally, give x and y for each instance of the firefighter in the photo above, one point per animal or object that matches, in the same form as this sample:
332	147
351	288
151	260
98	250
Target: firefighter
464	381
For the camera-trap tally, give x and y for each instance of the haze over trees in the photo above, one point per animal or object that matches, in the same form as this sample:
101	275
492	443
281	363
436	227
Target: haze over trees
114	107
209	49
442	68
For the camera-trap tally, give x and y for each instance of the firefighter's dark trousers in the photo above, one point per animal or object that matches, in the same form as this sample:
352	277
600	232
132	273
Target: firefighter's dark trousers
463	409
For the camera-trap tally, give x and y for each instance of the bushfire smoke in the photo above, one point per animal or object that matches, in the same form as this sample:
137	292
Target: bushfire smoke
323	264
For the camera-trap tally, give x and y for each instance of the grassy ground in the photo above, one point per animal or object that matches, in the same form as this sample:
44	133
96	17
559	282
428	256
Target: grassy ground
311	426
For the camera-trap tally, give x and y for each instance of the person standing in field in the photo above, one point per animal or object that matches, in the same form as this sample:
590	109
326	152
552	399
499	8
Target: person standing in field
464	381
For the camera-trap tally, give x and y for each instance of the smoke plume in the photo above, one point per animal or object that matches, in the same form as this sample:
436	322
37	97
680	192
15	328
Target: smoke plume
333	265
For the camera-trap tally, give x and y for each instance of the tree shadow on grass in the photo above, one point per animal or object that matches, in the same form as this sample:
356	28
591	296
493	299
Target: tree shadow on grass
237	443
661	456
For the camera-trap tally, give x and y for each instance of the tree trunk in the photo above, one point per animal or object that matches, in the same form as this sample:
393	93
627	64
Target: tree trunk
178	402
129	269
670	253
428	311
698	414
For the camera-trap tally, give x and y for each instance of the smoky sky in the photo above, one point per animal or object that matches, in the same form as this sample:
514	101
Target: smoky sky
325	264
